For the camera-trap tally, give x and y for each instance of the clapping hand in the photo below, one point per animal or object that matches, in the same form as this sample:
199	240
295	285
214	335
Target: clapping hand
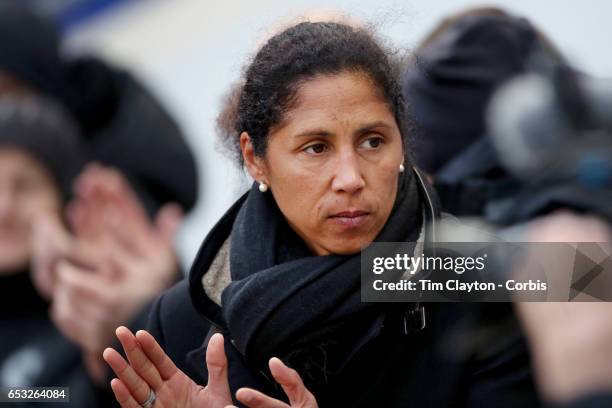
290	381
150	369
111	263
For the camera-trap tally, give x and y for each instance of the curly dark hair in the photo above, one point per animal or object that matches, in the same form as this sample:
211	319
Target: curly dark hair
271	81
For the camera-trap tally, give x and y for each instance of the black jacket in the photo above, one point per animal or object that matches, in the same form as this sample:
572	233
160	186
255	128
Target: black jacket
33	353
422	369
467	355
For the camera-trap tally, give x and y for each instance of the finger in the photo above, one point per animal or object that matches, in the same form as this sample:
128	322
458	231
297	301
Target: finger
72	305
120	256
137	386
255	399
74	216
79	322
82	253
134	385
116	263
154	352
83	183
130	233
122	394
167	220
83	283
138	359
123	194
98	183
76	329
84	217
291	382
216	363
107	190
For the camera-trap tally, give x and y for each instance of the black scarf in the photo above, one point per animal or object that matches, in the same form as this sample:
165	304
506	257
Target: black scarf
285	302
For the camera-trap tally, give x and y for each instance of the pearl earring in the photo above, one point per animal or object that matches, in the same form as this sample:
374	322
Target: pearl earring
401	168
263	187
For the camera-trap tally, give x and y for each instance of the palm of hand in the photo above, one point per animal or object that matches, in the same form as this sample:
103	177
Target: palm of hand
180	391
150	368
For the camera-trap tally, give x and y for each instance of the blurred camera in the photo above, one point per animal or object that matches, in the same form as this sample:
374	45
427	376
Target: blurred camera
552	131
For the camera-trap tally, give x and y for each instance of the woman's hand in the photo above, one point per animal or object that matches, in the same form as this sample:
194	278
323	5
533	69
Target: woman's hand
149	368
292	384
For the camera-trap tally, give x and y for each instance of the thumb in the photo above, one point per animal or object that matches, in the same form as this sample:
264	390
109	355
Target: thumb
216	364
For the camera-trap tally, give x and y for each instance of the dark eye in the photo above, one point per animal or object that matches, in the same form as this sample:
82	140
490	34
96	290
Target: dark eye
315	148
371	143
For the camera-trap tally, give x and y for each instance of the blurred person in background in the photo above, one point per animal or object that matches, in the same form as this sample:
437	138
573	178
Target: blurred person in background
133	207
40	155
457	70
552	131
105	266
122	123
325	140
454	74
91	263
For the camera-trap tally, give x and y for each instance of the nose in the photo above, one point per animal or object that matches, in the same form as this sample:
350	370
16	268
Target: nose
348	177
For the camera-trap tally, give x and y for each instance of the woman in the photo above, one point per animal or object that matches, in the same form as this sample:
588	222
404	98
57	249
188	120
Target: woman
320	123
40	156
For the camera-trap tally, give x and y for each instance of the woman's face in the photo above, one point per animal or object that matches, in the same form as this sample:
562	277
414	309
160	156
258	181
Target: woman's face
333	163
26	192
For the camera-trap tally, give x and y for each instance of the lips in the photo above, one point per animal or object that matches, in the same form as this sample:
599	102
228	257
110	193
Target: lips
349	214
350	219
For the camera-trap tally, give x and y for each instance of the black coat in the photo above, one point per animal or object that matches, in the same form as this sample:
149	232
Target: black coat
33	353
421	369
467	355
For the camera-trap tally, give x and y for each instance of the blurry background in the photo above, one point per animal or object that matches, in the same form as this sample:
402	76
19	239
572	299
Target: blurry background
188	52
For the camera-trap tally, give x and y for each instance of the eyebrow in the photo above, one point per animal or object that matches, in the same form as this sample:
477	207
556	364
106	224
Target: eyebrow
371	126
364	129
314	132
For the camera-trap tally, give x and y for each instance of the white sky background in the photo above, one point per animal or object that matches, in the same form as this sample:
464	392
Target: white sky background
190	51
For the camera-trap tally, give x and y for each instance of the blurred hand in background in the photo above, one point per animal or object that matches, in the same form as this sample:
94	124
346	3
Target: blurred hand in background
570	341
111	265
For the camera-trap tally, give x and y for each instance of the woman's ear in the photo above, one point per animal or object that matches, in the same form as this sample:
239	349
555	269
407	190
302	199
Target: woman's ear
254	164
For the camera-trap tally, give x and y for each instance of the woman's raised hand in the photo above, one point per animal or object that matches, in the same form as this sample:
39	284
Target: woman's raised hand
289	379
149	368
